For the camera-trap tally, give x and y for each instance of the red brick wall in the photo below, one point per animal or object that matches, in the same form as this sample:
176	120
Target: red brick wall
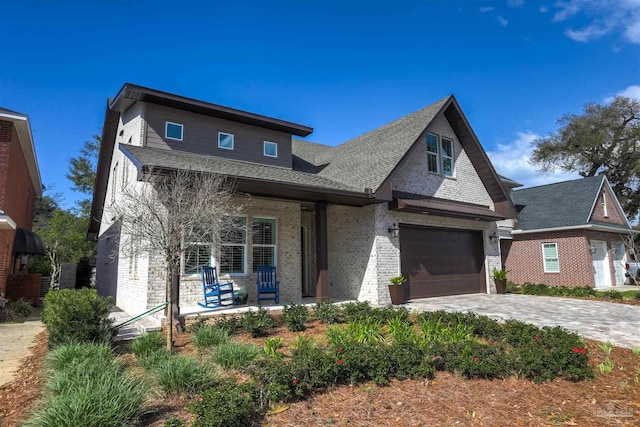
524	258
613	216
17	194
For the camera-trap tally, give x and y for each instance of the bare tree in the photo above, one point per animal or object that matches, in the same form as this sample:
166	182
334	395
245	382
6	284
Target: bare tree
169	215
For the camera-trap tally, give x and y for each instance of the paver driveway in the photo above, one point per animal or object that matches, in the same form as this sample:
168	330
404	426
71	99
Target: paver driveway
597	320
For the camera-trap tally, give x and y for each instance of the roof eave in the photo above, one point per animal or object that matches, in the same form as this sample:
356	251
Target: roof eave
130	93
594	227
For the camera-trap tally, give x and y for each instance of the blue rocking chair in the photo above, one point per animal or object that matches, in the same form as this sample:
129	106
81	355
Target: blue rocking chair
216	294
268	285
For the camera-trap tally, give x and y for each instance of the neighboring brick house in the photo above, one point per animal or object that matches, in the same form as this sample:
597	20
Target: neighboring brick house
19	185
570	233
417	196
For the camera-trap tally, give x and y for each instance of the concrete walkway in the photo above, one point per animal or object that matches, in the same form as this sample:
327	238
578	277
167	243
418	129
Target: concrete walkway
15	340
596	320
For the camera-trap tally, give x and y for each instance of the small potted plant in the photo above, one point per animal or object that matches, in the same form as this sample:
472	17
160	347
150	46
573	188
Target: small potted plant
396	289
500	279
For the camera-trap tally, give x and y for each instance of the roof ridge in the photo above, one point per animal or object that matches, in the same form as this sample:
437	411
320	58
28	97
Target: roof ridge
581	179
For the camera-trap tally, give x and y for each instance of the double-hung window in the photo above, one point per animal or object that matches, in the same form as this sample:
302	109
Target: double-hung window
263	241
233	248
550	258
440	154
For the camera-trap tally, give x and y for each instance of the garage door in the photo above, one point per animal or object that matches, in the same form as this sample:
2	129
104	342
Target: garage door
441	261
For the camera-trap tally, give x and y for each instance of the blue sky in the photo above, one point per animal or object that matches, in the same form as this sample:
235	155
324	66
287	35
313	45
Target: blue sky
341	67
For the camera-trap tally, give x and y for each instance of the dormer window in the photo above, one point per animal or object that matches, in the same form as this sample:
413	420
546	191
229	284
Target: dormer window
270	149
173	131
225	140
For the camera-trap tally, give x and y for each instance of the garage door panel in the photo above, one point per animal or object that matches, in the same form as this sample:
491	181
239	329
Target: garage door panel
442	261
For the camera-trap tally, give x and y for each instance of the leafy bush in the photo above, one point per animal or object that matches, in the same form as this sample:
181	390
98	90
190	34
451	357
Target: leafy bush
534	289
76	394
541	289
229	324
354	311
76	315
327	312
175	422
209	336
475	360
257	323
229	404
21	307
66	355
183	374
295	316
146	344
612	294
235	355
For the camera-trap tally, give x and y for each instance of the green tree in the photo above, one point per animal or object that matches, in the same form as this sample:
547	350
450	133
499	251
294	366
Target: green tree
605	139
82	172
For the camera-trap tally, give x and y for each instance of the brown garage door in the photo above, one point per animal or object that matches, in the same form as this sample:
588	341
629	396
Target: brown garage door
441	261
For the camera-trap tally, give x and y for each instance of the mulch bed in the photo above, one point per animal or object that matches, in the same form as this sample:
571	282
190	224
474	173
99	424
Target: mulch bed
612	399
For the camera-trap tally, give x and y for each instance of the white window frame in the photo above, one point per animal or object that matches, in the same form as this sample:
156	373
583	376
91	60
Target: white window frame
604	204
444	156
166	129
114	183
244	251
544	258
233	140
263	245
433	153
264	149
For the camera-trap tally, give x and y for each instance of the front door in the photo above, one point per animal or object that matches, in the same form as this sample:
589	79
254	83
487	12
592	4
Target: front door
601	271
619	260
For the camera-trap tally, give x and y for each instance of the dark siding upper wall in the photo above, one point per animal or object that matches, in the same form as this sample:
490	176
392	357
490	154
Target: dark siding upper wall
200	135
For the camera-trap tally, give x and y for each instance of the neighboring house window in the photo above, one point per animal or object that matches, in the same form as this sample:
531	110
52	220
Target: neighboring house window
550	257
270	149
225	140
263	241
440	153
233	249
196	257
114	183
433	153
173	131
604	204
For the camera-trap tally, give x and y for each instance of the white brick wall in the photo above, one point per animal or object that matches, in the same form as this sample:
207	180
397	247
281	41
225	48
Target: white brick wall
464	186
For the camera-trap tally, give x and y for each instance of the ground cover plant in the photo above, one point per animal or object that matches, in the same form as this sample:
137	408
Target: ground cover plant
432	363
16	311
578	291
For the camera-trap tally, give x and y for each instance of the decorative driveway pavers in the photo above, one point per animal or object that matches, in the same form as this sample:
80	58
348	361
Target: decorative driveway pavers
596	320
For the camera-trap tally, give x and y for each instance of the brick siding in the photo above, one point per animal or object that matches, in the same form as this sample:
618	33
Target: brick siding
613	215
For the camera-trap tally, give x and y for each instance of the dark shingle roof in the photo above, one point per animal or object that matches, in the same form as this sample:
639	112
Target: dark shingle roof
366	161
310	156
563	204
169	159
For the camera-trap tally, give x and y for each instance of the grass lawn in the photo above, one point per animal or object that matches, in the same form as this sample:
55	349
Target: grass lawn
452	395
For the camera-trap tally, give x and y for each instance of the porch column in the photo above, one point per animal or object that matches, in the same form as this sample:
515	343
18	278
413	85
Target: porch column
322	258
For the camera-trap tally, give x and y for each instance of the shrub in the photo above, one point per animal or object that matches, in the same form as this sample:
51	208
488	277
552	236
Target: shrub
257	323
80	315
295	316
271	347
354	311
535	289
327	312
197	324
208	336
21	308
612	294
146	344
183	374
235	355
475	360
229	324
64	356
84	393
227	405
175	422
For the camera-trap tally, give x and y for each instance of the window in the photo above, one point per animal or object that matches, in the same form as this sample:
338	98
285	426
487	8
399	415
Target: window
263	239
604	204
173	131
233	249
550	257
196	257
440	154
270	149
225	140
433	153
